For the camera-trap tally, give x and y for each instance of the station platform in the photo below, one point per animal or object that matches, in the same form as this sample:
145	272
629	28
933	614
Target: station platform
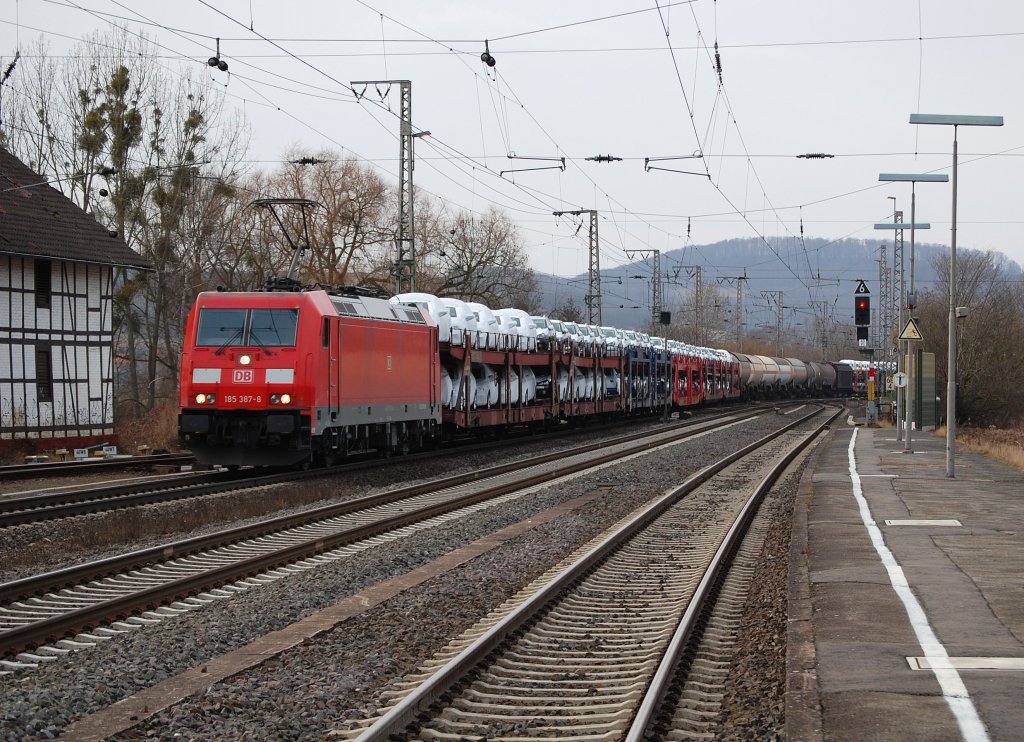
906	594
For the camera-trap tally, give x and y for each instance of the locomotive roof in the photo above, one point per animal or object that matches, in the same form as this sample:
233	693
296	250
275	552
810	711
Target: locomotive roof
345	305
351	306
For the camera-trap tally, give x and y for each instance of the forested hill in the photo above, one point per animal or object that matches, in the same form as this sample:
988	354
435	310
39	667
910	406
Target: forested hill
809	270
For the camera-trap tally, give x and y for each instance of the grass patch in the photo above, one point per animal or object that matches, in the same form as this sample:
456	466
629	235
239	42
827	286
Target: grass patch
1005	445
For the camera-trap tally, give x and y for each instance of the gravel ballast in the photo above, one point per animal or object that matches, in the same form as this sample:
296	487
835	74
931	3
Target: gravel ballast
336	676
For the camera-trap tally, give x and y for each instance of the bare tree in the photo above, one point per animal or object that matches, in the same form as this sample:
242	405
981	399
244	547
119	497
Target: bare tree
568	311
708	325
29	103
242	247
108	121
351	229
988	348
484	261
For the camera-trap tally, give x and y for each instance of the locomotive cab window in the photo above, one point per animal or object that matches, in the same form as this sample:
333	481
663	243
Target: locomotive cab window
219	327
274	327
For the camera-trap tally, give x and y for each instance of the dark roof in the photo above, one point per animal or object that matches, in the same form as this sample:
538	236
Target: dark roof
36	219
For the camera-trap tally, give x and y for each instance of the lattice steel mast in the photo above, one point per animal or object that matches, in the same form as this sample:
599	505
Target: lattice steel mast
593	298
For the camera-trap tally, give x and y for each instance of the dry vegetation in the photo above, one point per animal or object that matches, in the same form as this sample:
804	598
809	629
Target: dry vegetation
1005	445
157	428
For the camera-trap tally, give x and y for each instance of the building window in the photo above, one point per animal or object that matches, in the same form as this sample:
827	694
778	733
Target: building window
44	287
44	376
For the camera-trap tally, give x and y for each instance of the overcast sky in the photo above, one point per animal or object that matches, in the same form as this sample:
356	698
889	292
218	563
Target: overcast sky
632	80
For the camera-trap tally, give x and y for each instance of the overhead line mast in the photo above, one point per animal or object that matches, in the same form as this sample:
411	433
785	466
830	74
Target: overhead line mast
656	292
593	298
404	267
739	306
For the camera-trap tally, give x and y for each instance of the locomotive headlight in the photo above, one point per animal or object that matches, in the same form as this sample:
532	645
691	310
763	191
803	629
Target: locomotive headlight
245	360
286	398
200	398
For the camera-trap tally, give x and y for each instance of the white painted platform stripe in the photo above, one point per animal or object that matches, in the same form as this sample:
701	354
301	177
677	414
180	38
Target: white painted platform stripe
953	689
1010	664
950	523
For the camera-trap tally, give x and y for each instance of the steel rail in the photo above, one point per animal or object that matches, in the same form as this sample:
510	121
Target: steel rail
681	638
405	712
39	584
19	639
71	468
36	508
49	506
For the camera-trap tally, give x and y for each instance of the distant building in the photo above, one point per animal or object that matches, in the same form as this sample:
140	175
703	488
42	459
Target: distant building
56	309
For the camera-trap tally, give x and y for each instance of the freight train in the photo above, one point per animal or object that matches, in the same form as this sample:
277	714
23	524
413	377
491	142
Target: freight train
306	377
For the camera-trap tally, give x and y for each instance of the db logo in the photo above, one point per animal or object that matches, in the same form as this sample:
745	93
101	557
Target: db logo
242	376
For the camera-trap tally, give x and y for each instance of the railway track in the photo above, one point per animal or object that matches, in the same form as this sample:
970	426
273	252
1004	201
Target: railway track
73	501
593	649
67	502
45	616
75	468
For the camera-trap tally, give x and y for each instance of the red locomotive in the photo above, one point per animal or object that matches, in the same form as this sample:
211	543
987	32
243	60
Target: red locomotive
283	378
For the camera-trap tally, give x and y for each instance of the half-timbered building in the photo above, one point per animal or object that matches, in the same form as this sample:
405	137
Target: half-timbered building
57	271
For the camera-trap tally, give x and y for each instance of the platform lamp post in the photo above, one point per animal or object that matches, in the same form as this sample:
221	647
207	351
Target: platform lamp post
954	121
909	301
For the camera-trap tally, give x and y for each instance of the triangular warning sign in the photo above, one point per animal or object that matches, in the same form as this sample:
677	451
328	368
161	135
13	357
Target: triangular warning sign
862	288
910	332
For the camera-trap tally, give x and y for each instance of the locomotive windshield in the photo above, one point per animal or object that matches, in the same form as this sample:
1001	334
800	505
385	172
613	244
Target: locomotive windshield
246	327
273	326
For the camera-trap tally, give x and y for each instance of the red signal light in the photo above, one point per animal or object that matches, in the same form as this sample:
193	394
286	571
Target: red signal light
862	311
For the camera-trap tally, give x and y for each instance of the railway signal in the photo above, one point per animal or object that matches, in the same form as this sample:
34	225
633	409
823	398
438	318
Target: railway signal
862	314
862	311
